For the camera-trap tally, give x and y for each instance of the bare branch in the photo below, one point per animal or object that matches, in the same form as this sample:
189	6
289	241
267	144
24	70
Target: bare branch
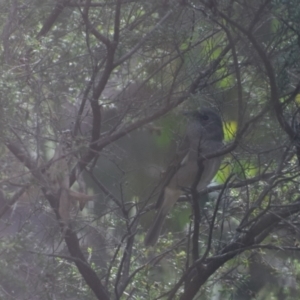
143	40
57	10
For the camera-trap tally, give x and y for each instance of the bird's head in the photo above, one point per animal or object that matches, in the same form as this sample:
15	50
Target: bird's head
205	122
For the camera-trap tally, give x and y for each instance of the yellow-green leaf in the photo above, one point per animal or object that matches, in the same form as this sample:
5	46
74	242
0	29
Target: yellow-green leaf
230	129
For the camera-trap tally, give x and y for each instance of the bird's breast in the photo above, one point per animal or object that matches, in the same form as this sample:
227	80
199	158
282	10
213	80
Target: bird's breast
187	173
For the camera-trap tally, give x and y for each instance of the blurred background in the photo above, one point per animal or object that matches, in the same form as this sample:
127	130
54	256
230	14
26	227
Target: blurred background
119	76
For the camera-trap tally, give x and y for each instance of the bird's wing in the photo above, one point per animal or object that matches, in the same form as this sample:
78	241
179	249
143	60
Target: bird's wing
178	160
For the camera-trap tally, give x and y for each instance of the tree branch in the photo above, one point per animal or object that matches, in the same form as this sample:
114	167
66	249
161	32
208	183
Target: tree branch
71	238
58	8
242	243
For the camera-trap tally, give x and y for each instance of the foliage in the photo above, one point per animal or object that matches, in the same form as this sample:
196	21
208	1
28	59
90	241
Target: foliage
94	96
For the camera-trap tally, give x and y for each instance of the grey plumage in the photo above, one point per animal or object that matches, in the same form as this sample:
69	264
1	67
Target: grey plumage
204	135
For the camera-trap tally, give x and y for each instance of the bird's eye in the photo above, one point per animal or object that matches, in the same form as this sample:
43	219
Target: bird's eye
204	117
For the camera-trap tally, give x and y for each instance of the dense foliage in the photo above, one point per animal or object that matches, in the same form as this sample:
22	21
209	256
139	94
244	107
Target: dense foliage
93	95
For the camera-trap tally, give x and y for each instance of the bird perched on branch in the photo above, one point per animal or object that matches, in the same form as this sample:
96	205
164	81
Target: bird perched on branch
204	136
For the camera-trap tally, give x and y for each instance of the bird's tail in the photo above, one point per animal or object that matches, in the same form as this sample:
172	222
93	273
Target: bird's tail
170	197
155	229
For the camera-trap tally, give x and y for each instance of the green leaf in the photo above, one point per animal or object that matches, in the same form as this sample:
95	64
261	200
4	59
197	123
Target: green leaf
230	129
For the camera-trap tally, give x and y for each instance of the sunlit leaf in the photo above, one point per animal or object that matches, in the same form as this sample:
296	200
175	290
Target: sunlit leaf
223	173
230	129
211	49
225	82
245	169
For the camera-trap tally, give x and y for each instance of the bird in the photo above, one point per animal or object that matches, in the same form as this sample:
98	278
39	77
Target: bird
204	135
